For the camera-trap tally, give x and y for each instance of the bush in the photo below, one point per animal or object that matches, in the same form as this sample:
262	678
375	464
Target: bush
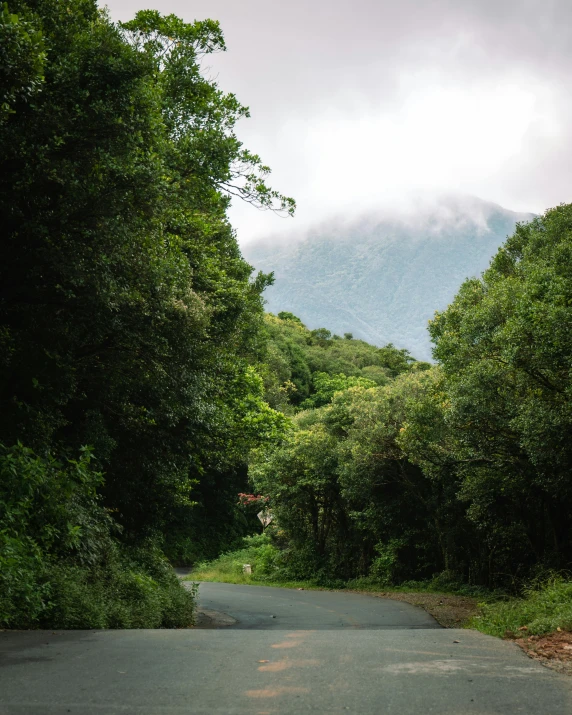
544	608
60	563
119	594
22	593
257	550
384	564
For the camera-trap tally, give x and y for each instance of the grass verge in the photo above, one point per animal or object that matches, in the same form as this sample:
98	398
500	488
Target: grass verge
545	608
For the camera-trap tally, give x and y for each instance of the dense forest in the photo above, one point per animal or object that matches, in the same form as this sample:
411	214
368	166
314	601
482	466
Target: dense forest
461	468
130	325
143	388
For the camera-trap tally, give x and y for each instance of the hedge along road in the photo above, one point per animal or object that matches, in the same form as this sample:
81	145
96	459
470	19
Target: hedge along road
278	651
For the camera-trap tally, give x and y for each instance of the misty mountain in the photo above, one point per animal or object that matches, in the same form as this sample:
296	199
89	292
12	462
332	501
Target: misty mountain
381	278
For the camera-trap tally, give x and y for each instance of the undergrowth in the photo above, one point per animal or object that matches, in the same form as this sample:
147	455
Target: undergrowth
132	589
269	566
61	562
544	607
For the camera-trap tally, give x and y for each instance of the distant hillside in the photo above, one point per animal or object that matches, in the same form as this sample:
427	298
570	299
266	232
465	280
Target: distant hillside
383	278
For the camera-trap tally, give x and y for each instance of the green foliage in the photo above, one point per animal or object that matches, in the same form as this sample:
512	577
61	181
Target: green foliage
382	567
128	590
129	320
135	331
345	494
544	608
326	386
284	315
256	550
46	507
299	362
506	357
459	468
60	565
22	58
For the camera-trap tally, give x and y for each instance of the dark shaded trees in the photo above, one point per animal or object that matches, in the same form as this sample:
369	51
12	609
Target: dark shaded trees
128	319
506	352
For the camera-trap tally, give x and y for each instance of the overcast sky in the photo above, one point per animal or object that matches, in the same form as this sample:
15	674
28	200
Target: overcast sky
361	105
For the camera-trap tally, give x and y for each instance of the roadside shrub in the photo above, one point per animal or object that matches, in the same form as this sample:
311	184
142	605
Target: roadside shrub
60	563
257	550
22	593
117	594
48	510
544	608
384	564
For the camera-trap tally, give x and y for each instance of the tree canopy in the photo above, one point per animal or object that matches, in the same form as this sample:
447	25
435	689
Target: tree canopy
461	468
129	321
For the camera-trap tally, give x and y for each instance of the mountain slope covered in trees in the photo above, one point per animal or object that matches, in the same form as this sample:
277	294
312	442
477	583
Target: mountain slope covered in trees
383	278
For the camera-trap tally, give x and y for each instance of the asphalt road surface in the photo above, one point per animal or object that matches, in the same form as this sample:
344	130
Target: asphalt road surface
278	651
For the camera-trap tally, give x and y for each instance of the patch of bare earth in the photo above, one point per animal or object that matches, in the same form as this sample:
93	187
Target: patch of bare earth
448	611
212	619
553	649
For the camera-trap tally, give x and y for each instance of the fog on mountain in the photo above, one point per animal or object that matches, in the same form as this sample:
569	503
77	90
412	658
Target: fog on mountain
382	277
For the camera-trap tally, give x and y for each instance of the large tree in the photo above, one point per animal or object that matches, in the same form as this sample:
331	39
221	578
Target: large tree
128	319
505	347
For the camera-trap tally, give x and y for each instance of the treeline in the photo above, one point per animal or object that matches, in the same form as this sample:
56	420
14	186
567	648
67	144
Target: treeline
462	468
303	368
130	325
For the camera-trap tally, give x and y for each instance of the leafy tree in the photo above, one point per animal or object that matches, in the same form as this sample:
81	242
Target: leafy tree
300	479
22	58
321	336
326	386
285	315
506	354
128	319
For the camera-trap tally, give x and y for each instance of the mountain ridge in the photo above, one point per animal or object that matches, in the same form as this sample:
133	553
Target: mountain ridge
382	277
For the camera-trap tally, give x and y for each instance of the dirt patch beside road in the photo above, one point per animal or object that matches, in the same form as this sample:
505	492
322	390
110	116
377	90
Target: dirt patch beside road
553	650
448	611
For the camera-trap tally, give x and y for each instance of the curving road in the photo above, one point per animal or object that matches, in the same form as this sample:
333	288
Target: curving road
268	608
278	651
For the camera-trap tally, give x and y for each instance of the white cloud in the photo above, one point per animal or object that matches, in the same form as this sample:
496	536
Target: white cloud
435	138
360	105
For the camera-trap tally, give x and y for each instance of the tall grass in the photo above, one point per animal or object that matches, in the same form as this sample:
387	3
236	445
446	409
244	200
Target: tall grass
544	608
257	551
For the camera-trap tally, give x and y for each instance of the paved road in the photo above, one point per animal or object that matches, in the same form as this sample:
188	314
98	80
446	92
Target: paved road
322	653
269	608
